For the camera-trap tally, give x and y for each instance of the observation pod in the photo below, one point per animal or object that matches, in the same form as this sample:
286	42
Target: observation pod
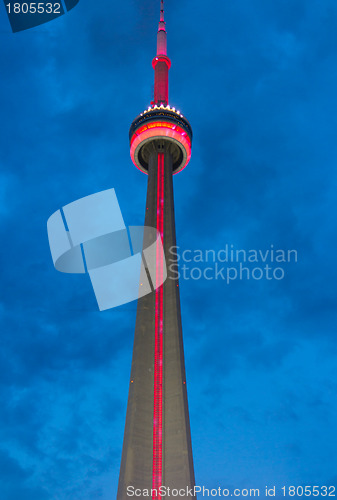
160	125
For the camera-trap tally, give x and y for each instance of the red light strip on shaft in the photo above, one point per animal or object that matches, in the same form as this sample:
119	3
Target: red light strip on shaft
157	463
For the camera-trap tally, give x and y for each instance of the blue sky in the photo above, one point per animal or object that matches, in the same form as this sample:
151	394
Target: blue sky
257	81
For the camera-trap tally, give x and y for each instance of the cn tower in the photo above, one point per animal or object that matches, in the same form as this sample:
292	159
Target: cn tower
157	451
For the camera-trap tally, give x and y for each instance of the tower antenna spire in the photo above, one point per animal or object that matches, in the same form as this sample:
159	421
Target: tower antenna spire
162	10
161	63
161	35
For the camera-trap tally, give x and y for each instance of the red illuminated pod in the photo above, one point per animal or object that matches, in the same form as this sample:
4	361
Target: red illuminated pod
164	130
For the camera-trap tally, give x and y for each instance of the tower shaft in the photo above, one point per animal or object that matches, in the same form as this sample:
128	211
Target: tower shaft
157	447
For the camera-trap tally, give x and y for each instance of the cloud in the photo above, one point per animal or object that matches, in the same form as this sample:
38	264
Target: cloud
257	82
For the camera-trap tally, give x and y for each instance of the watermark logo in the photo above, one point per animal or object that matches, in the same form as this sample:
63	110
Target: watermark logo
24	15
89	236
